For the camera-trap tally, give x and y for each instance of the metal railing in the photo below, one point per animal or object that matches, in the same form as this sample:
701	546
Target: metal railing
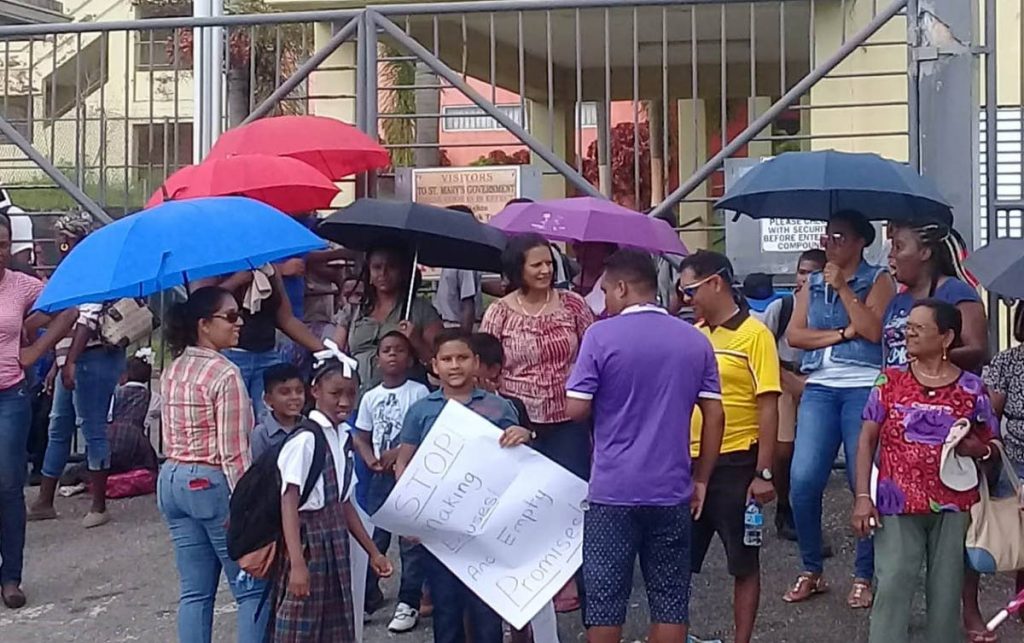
670	90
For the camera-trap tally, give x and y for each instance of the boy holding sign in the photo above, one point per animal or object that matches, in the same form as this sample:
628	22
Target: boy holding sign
456	366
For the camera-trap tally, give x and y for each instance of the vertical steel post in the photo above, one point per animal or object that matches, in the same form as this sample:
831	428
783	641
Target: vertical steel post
946	79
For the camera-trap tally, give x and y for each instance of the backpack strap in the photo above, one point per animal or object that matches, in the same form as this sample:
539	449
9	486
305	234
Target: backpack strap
316	467
784	316
346	452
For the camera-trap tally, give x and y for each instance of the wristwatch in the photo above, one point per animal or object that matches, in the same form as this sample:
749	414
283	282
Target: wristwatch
765	474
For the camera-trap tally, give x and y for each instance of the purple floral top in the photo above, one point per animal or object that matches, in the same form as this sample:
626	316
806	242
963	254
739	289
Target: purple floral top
914	422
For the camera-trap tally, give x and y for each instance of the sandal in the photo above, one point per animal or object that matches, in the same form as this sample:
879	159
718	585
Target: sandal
861	597
806	586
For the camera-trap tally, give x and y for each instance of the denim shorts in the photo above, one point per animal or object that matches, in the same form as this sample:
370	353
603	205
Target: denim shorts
613	537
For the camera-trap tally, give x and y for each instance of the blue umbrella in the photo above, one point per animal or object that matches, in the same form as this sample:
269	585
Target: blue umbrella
816	185
172	244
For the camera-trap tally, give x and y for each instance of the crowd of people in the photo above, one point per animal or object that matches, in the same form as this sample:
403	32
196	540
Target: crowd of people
682	427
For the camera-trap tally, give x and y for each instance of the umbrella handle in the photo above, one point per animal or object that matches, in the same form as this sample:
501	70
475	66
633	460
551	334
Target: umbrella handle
412	285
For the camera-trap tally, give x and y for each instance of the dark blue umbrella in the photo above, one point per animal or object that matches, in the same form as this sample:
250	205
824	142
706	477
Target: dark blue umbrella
172	244
816	185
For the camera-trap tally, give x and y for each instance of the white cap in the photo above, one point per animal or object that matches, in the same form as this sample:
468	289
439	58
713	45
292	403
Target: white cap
21	230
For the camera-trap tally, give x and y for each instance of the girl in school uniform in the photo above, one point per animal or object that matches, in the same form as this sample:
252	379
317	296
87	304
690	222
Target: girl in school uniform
313	592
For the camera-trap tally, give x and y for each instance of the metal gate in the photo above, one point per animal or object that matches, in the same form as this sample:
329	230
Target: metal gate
638	101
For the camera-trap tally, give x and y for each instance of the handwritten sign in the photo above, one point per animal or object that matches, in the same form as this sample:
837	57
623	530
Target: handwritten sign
791	235
486	189
507	522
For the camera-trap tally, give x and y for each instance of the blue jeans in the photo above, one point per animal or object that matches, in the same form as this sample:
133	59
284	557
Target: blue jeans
253	366
453	601
97	372
827	418
197	519
15	417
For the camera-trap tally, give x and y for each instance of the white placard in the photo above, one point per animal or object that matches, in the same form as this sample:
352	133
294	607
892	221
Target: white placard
507	522
791	235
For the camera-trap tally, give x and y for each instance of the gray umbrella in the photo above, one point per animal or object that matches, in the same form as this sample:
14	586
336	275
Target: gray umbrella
999	266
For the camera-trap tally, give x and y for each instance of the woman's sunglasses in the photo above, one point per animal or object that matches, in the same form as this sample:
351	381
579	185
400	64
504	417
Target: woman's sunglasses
833	239
231	318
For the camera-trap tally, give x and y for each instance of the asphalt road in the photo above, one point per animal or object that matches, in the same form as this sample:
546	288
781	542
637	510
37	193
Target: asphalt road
118	583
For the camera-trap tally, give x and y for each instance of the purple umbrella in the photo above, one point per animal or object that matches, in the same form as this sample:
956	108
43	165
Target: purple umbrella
590	220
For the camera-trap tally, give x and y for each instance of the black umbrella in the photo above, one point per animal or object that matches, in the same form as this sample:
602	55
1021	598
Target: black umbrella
437	237
998	266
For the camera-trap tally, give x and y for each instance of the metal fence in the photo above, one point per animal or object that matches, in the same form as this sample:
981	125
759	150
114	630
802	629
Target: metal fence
626	100
639	101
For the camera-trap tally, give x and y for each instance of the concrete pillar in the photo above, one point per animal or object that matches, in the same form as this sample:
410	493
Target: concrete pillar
335	82
757	105
655	116
554	127
604	168
857	119
693	153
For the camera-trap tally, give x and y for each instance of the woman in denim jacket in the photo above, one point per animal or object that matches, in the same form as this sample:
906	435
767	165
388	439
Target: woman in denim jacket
837	322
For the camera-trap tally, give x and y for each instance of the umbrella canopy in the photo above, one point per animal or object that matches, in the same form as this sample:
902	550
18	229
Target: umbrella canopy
172	244
441	238
286	184
335	148
999	267
816	185
590	220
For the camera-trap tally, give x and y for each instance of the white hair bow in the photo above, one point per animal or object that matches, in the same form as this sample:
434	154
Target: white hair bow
332	351
145	354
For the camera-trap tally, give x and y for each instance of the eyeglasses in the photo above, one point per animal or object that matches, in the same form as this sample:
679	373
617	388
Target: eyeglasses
231	317
689	291
836	238
918	329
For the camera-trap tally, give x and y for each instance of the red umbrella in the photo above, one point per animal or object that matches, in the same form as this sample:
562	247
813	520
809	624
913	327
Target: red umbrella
335	148
289	185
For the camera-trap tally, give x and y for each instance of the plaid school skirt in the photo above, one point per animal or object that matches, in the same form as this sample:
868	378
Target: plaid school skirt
326	614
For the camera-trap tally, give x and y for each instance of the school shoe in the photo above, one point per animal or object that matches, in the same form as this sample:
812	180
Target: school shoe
405	619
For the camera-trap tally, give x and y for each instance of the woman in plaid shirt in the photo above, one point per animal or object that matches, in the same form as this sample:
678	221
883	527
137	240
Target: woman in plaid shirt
206	420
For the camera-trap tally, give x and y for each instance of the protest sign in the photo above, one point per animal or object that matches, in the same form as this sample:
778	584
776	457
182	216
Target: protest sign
507	522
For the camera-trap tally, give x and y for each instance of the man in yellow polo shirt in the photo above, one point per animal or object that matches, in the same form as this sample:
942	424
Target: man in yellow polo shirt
748	366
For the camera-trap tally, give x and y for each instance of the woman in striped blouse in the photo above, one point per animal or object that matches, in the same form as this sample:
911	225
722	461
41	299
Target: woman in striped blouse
540	329
206	420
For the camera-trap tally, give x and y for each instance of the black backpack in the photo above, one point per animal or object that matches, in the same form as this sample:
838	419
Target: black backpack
784	316
254	515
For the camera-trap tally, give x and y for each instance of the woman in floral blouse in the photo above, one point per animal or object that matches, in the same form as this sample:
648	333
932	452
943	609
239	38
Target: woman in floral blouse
915	517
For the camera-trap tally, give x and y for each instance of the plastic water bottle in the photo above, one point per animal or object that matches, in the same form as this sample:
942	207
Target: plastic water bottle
753	525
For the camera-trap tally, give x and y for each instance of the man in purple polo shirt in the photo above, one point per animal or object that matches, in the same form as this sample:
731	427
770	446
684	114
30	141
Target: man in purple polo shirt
639	374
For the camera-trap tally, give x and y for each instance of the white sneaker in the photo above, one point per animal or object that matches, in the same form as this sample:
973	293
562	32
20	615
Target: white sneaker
404	620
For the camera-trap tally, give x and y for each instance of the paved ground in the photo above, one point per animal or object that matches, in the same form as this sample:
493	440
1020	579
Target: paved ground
118	583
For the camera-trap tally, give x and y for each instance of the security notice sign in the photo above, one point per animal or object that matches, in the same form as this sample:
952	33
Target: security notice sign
790	235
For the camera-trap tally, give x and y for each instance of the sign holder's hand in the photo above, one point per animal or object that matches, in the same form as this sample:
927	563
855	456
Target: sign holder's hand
513	436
